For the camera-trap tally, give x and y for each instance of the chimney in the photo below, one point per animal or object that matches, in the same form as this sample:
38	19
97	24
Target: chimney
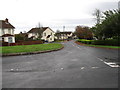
6	20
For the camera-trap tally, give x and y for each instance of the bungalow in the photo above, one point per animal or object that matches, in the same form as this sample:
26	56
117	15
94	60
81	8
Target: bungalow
6	31
44	33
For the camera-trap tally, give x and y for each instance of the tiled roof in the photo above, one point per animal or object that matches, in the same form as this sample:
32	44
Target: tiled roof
37	30
6	24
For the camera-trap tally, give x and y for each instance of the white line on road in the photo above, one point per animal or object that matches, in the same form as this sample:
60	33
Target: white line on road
76	46
111	64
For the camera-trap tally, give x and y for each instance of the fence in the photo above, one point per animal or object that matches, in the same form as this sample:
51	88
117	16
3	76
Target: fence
22	43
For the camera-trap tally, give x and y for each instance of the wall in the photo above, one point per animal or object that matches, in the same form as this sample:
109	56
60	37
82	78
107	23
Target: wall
6	31
48	31
6	39
33	34
1	33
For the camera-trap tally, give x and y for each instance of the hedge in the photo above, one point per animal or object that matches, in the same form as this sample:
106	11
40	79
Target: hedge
112	42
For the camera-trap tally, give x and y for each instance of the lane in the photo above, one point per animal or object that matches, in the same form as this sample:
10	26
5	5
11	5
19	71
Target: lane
107	56
73	67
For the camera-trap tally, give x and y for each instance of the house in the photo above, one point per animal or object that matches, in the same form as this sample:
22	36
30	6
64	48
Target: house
43	33
64	35
6	31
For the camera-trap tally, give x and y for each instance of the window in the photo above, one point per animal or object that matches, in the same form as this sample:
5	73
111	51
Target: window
10	39
44	34
50	38
9	31
51	33
3	31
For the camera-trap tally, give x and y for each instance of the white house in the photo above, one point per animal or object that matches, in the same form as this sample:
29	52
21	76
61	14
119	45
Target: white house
64	35
44	33
6	31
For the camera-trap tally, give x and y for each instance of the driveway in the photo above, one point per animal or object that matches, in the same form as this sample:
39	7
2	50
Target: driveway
74	66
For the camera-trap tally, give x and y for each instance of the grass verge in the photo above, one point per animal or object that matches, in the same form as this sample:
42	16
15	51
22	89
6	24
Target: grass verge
116	47
30	48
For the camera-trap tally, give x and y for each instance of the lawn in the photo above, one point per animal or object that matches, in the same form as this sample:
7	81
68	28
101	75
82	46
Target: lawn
30	48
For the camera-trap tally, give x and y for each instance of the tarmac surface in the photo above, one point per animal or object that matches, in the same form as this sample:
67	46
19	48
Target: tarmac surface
74	66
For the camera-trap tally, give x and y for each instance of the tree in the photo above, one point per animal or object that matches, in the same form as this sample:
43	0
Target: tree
111	24
98	15
109	27
21	37
83	32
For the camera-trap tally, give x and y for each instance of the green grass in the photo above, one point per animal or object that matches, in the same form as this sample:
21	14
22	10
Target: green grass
116	47
30	48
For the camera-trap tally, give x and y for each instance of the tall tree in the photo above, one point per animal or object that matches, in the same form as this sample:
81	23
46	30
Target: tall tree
110	26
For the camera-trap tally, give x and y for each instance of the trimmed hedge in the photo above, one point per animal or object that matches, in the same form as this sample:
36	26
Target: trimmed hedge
107	42
85	41
112	42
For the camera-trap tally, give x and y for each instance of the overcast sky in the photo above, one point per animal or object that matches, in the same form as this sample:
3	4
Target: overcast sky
26	14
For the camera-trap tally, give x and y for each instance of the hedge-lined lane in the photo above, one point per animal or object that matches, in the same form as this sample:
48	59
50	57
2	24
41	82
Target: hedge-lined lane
30	48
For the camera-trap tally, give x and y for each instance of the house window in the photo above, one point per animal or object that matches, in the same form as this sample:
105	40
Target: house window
10	39
9	31
44	34
3	31
50	38
51	33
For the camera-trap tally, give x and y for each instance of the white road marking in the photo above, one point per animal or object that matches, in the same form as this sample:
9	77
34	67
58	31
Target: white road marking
95	67
76	46
11	69
62	68
111	64
82	67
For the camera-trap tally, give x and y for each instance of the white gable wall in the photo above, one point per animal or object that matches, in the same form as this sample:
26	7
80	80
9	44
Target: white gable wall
47	32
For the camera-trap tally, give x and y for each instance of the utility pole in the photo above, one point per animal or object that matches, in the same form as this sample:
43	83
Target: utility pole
63	32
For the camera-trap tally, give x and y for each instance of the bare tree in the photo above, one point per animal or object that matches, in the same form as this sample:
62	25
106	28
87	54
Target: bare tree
98	15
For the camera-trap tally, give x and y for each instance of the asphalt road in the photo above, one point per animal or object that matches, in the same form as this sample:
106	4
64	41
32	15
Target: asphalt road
74	66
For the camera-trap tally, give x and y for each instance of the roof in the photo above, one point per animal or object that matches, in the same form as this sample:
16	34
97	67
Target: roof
7	35
37	30
23	34
64	32
5	24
